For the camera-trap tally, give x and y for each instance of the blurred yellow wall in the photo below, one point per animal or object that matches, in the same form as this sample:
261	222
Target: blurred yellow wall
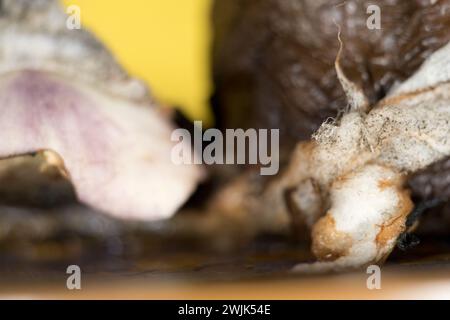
164	42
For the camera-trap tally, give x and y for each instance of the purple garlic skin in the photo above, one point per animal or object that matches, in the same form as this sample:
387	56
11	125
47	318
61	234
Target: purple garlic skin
63	94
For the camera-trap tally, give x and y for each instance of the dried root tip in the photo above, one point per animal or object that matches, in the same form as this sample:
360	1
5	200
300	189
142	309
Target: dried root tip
368	212
355	95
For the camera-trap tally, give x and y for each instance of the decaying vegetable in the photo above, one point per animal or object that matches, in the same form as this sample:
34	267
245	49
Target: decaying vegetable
274	61
274	66
62	94
355	168
362	161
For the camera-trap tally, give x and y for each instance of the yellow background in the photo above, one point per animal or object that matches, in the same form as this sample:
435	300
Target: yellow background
164	42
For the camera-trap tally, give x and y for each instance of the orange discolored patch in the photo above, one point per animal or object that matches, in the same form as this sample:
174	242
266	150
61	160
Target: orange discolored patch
394	227
328	244
342	179
397	99
385	184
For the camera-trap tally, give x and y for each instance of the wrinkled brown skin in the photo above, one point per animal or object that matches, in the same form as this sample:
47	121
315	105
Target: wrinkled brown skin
274	64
